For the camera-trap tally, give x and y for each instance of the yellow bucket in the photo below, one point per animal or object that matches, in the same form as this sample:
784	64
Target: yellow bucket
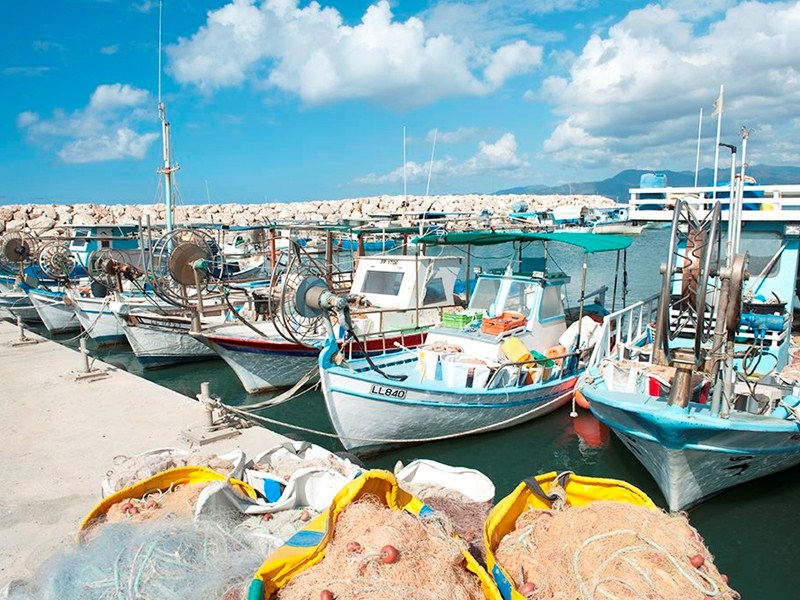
307	547
580	491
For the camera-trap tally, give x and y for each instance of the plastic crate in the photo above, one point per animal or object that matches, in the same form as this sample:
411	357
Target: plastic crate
458	320
507	321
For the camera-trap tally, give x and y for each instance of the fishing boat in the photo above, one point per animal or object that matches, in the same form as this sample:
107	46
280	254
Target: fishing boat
514	356
17	250
161	338
613	220
709	398
398	298
65	262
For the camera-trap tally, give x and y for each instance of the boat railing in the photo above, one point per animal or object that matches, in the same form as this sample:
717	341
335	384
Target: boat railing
762	202
685	325
622	330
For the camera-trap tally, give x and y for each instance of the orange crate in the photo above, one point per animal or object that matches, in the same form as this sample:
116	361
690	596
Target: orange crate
505	322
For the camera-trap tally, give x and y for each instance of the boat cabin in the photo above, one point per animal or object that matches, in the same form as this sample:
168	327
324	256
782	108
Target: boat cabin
402	292
85	239
529	307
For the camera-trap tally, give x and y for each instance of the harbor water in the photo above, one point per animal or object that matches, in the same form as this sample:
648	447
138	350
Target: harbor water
752	529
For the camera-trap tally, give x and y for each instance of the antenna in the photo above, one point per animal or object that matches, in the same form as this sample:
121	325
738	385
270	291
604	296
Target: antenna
430	167
405	181
159	52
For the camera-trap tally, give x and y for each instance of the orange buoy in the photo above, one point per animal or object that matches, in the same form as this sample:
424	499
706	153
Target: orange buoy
590	430
581	400
556	353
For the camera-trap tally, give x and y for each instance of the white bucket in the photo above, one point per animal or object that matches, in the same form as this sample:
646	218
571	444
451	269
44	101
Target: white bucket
361	325
429	359
464	372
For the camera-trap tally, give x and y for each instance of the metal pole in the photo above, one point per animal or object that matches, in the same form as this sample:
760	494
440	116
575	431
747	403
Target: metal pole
22	337
583	298
662	318
208	403
84	355
616	277
699	133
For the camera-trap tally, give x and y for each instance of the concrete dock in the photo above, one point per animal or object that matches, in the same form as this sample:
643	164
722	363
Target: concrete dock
60	436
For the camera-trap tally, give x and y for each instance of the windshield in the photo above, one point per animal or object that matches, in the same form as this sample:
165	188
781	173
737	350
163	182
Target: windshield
484	294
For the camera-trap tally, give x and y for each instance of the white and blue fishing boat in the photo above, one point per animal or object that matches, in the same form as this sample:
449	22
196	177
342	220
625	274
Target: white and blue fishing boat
510	357
710	399
66	262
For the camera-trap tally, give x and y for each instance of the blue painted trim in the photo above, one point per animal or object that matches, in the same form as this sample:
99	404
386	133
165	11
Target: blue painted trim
306	539
405	402
503	584
368	376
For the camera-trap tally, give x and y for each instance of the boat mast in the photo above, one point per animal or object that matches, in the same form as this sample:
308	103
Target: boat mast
167	168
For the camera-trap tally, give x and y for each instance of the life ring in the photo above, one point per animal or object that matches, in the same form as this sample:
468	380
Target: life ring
581	400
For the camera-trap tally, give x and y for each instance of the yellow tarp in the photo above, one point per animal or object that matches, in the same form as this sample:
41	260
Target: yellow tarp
162	481
307	547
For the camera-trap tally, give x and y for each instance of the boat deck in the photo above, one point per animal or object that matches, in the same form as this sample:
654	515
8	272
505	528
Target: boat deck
60	437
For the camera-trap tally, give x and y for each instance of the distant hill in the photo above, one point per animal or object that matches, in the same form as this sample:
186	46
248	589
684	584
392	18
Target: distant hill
617	187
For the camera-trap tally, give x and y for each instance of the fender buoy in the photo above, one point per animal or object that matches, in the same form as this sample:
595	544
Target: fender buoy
581	400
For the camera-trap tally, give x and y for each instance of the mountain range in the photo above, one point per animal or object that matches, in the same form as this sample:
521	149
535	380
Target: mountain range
617	187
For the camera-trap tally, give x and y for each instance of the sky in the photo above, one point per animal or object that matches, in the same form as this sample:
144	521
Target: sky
287	100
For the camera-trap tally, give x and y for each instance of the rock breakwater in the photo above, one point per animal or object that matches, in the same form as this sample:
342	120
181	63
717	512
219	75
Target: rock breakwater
44	218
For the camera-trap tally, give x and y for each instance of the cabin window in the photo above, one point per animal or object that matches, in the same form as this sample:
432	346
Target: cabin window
434	292
484	294
386	283
551	306
520	298
105	243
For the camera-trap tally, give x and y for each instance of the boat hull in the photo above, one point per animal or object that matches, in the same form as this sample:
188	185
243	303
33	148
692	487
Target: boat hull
371	415
687	477
98	321
160	342
56	315
264	366
692	457
15	304
270	363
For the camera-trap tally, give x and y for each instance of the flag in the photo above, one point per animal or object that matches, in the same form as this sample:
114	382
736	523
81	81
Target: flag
718	104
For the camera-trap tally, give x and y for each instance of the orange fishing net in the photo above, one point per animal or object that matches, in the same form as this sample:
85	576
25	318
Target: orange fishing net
178	501
381	554
610	550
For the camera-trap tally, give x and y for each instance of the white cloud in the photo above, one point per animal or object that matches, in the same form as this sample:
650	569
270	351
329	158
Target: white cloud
109	50
146	6
462	134
499	157
633	95
26	71
311	53
699	9
490	21
104	130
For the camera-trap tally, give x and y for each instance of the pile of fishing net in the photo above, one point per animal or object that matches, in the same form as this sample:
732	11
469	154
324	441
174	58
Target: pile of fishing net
159	560
609	550
130	469
381	554
465	515
285	465
178	501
